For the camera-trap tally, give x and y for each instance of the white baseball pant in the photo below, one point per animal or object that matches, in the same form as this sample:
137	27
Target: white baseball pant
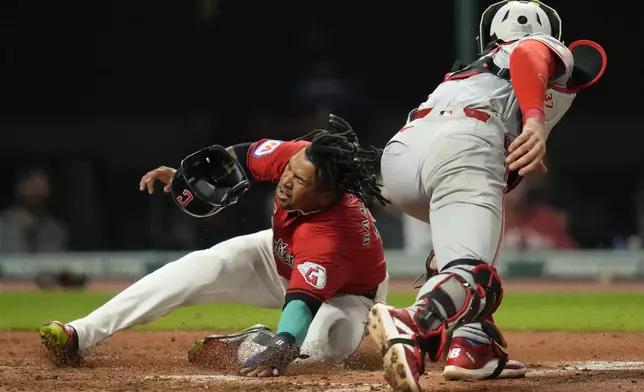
449	171
240	270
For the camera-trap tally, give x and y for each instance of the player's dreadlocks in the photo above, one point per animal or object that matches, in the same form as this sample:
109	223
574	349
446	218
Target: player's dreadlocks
342	165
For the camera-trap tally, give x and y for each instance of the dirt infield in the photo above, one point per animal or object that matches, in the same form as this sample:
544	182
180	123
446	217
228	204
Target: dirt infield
151	361
155	361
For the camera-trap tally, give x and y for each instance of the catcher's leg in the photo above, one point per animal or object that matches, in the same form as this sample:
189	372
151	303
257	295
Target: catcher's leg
471	351
240	269
465	291
466	213
463	173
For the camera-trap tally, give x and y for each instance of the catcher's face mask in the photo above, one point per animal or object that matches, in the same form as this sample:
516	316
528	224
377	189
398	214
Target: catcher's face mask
208	181
509	20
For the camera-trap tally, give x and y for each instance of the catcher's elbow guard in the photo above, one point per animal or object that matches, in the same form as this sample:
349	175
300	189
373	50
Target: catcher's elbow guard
208	181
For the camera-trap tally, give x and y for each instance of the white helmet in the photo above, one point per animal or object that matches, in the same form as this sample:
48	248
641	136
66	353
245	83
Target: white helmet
509	20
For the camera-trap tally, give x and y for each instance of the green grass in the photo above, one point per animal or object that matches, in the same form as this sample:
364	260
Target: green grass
525	311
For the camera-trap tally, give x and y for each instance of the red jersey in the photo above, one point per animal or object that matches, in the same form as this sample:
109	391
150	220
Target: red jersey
334	251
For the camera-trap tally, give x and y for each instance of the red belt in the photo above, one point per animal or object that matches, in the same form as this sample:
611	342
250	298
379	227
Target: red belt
469	112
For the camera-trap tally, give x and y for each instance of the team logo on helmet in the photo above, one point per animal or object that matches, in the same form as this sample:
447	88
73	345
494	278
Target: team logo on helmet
185	198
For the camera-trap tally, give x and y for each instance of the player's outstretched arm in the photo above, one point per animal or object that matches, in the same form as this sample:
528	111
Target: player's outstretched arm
165	174
264	160
302	302
284	347
161	173
532	64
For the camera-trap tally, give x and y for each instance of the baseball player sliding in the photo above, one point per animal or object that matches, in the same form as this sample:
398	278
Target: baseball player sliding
323	261
481	130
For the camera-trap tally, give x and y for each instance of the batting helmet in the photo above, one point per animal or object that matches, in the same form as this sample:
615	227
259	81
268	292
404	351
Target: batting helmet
208	181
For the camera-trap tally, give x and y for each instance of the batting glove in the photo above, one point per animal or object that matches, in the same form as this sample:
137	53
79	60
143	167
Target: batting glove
280	351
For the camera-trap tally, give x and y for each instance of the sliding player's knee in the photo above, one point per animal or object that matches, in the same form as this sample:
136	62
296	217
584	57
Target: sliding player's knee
199	269
241	249
336	331
193	260
464	291
221	254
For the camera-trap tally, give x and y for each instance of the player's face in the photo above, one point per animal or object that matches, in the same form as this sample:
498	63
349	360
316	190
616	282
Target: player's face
297	189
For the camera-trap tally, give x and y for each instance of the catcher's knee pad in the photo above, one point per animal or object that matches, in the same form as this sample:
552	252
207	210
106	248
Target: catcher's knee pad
465	291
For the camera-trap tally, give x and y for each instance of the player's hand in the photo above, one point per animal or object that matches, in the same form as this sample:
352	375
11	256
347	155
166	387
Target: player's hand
260	371
163	174
280	351
527	151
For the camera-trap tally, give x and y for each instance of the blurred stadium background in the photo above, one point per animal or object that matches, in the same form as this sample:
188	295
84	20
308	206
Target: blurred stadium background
95	94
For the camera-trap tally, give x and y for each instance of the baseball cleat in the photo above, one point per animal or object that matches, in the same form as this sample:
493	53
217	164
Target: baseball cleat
62	342
395	332
470	360
198	353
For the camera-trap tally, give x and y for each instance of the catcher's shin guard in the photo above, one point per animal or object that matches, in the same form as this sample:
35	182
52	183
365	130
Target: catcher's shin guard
465	291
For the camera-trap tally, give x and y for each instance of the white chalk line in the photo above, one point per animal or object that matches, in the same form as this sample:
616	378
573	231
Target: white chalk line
19	366
586	366
332	387
546	370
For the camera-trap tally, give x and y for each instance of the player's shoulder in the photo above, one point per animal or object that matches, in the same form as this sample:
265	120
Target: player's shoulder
554	44
541	37
323	223
549	40
335	221
266	147
561	50
344	211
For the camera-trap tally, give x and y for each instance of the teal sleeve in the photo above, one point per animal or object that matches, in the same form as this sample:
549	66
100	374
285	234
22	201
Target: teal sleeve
296	319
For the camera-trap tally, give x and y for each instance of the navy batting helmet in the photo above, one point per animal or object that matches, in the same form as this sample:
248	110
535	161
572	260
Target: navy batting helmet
208	181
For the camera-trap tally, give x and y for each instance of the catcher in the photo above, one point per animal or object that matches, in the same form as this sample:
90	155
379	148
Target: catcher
478	133
322	262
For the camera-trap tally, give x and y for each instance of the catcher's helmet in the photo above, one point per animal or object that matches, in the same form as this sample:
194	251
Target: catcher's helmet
208	181
509	20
